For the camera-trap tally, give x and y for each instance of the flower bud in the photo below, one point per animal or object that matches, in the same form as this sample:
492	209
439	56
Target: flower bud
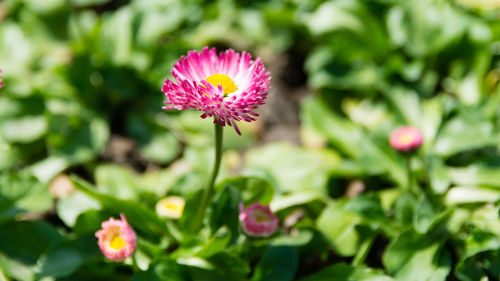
406	139
170	207
258	220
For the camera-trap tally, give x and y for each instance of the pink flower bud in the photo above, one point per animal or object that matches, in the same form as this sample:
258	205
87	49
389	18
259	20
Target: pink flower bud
406	139
258	220
117	240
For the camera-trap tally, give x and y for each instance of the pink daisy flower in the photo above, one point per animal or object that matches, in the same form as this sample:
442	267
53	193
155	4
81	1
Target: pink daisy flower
228	86
116	239
258	220
1	81
406	139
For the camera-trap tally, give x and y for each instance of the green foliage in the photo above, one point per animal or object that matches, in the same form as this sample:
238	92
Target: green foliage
82	97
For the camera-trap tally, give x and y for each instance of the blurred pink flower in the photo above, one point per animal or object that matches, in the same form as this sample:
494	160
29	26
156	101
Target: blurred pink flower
1	81
405	139
258	220
229	86
117	240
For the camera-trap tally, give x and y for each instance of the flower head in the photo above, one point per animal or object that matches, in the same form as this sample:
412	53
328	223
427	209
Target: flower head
116	239
228	86
258	220
170	207
405	139
1	81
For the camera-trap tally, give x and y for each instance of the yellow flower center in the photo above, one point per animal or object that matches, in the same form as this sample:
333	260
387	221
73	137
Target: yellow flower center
227	83
178	208
406	138
117	242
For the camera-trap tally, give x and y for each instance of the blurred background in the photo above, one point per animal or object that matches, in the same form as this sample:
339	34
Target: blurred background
82	95
83	77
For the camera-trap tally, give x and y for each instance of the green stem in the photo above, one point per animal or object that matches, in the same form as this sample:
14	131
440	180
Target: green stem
209	191
411	187
363	251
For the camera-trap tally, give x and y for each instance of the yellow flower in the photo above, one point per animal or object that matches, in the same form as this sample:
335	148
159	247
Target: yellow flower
170	207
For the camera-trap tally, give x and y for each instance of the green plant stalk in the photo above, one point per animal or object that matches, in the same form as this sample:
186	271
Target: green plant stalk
411	187
363	251
209	190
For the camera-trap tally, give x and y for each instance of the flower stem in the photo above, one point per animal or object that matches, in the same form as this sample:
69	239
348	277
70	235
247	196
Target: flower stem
209	190
364	250
410	175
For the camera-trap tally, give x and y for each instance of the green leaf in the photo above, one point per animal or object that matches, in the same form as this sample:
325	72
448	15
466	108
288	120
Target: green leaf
424	215
116	180
66	258
163	269
162	148
341	232
222	266
481	256
252	189
352	140
291	168
25	241
468	194
475	175
137	215
277	264
216	244
22	193
414	257
343	272
296	199
83	143
24	130
225	211
467	131
69	208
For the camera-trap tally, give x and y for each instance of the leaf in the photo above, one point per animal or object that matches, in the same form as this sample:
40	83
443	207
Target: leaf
252	189
475	175
469	194
225	211
163	269
467	131
162	148
352	140
424	215
137	215
438	175
69	208
291	168
25	241
341	231
216	244
413	256
24	130
481	254
22	193
296	199
67	257
82	143
116	180
277	264
343	272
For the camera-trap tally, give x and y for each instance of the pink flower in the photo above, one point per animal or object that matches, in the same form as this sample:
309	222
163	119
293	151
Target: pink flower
229	86
116	239
405	139
1	81
258	220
